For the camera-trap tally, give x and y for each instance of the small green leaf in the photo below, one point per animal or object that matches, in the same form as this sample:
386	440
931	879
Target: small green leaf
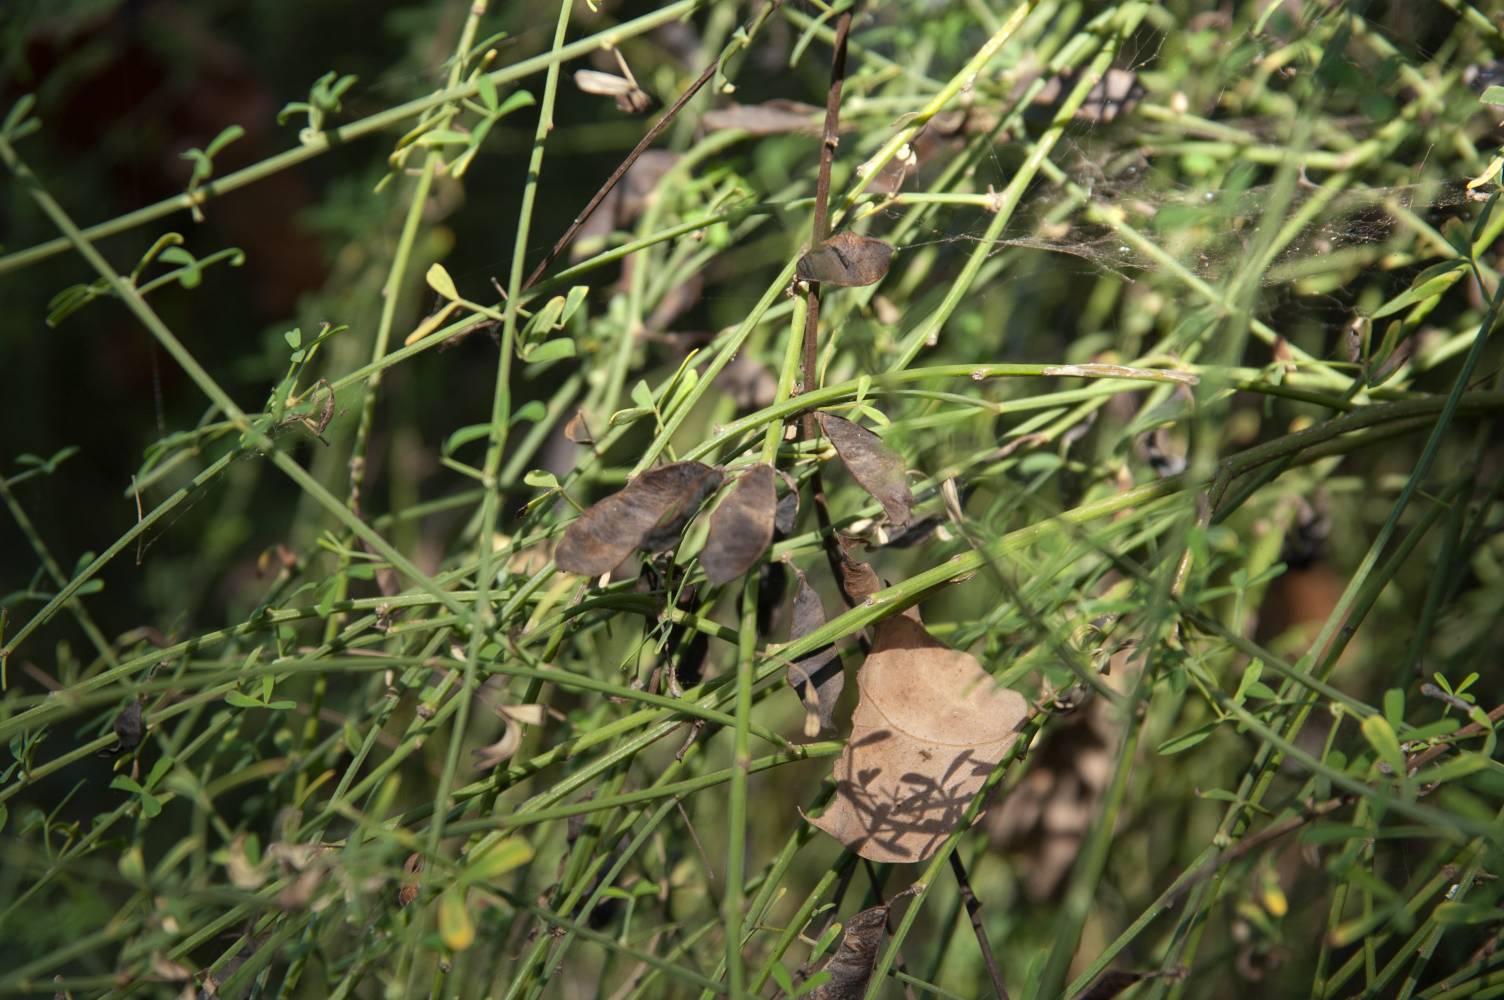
126	783
455	926
1380	736
1493	95
1394	707
1184	742
294	337
150	805
239	700
541	479
530	412
1428	284
486	88
550	350
642	395
463	436
498	859
439	281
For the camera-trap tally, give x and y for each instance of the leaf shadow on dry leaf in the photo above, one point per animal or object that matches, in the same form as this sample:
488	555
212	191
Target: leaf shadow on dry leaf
648	514
929	727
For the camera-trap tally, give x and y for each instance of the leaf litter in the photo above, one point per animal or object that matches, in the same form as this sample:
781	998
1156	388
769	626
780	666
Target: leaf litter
648	514
929	726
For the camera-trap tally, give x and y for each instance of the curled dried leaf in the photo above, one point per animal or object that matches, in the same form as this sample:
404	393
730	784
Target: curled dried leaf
741	526
413	868
818	677
787	514
859	580
851	966
929	727
648	514
129	727
847	260
877	468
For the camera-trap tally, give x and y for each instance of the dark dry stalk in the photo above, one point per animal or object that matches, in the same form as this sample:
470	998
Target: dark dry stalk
821	231
647	140
974	911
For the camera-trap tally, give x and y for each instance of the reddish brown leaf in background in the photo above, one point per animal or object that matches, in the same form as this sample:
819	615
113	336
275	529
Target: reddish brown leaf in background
648	514
818	677
851	966
929	727
848	260
741	526
774	117
877	468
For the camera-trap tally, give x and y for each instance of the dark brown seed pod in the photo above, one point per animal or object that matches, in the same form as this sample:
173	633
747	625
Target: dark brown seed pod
741	526
649	514
846	259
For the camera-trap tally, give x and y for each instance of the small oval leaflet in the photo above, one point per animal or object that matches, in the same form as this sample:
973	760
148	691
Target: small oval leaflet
648	514
876	467
846	259
929	727
741	526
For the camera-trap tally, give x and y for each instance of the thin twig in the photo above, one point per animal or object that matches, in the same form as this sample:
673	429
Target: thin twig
821	230
974	911
647	140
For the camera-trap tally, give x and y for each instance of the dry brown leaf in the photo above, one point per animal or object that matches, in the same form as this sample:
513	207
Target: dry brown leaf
413	884
577	430
818	677
877	468
129	727
629	97
648	514
787	514
774	117
851	966
859	581
929	727
848	260
741	526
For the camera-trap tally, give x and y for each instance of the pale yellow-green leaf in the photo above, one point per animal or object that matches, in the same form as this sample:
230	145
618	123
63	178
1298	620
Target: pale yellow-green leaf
455	926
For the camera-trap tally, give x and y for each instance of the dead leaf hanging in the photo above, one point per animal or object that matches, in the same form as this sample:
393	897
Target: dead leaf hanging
877	468
818	677
929	727
648	514
851	966
847	260
629	97
741	526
